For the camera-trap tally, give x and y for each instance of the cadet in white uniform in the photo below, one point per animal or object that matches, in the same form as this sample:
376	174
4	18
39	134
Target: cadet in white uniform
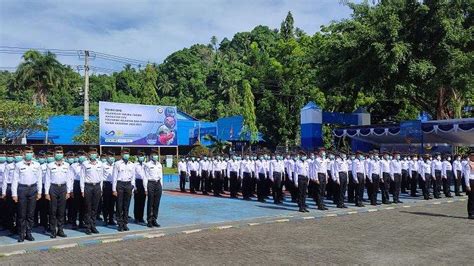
153	183
139	195
92	176
276	172
233	170
182	171
396	174
10	205
457	175
108	200
359	173
122	187
469	181
425	173
447	175
3	207
301	172
26	190
245	171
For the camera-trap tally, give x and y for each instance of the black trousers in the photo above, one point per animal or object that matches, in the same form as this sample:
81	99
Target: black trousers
359	193
457	183
330	188
302	190
225	182
182	181
463	182
78	206
247	185
470	199
290	186
319	190
261	187
205	184
405	184
351	187
92	194
447	183
124	194
437	184
26	208
413	180
217	183
10	209
108	202
425	186
154	197
234	184
385	187
192	181
340	189
276	190
42	211
139	200
373	188
57	207
397	187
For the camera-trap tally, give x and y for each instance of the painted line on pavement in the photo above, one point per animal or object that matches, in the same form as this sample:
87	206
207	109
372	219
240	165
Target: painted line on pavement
154	235
308	217
253	224
331	215
112	240
282	220
72	245
224	227
192	231
372	210
17	252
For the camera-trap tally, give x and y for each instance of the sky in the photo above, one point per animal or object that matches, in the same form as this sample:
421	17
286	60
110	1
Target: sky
142	29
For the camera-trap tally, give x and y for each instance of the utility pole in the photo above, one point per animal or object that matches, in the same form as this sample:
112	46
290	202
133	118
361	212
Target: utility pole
86	86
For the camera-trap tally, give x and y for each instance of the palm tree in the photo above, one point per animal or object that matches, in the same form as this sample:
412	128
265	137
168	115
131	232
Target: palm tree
39	72
218	146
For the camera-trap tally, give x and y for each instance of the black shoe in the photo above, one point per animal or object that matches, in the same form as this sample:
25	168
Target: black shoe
399	201
52	236
149	225
120	229
111	223
94	230
471	217
61	233
88	232
81	225
29	237
21	239
125	228
344	206
154	223
301	210
340	206
99	218
449	196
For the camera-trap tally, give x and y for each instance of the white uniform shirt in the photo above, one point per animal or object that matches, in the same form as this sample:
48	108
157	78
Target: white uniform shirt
192	166
340	165
233	166
457	166
425	168
413	166
139	171
204	165
124	172
385	166
7	176
182	167
436	165
395	168
108	169
468	173
261	168
91	172
445	167
276	166
358	167
290	167
76	169
153	172
301	168
59	174
374	169
2	176
246	166
26	174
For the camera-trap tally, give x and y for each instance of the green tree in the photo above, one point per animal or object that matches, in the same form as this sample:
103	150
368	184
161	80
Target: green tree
148	93
248	111
88	133
18	120
40	73
287	28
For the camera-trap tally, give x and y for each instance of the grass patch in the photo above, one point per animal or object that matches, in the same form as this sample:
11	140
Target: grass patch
170	171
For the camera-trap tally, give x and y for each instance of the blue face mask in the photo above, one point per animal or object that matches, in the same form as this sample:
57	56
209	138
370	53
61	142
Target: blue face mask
70	160
18	158
142	158
41	160
111	159
58	156
82	159
76	159
3	159
10	159
154	158
126	156
29	156
93	156
303	158
103	160
50	159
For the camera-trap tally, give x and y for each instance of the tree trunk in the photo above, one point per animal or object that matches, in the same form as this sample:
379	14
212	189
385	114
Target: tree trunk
442	110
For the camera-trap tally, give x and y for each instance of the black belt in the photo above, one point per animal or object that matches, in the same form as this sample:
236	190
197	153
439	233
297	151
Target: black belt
58	185
24	185
126	182
93	184
151	181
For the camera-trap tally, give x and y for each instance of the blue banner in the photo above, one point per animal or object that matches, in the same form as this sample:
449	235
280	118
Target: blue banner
411	129
124	124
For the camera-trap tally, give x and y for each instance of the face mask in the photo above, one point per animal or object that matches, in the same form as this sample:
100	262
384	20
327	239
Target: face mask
303	158
93	156
28	156
449	158
312	157
142	158
41	160
18	158
82	159
3	159
126	156
459	158
50	159
398	157
353	157
70	160
390	157
111	159
193	159
343	156
103	160
58	156
331	157
323	156
205	158
415	159
361	157
10	159
76	159
154	157
439	157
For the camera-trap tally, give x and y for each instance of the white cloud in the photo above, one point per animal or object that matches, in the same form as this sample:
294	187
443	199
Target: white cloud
148	30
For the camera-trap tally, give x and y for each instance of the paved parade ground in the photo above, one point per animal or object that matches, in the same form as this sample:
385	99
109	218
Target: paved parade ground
434	232
192	231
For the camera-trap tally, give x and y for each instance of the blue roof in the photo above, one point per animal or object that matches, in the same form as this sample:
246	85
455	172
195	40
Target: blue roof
61	129
311	105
